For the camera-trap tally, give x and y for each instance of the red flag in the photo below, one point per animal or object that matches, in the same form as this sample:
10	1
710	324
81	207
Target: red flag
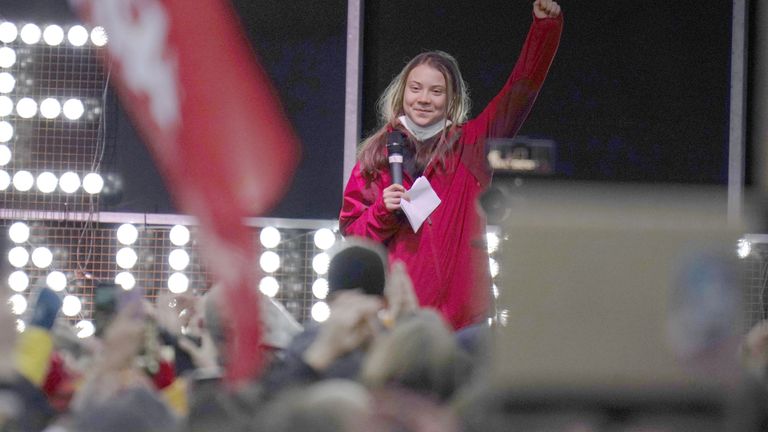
208	112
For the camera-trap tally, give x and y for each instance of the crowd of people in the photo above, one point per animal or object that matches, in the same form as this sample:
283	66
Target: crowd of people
380	362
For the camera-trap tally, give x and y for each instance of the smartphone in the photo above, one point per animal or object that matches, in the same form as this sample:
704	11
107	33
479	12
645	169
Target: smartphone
104	305
108	299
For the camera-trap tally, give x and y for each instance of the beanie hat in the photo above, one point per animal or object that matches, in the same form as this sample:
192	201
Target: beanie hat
358	264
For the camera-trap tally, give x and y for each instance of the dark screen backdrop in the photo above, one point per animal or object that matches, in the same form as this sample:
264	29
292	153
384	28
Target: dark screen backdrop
638	90
302	46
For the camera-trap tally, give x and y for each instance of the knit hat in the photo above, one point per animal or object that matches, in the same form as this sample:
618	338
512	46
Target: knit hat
358	264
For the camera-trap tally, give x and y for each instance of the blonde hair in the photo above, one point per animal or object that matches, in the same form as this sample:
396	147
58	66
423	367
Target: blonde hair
372	153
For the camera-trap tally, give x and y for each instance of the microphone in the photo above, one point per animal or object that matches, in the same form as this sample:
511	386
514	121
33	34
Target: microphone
395	155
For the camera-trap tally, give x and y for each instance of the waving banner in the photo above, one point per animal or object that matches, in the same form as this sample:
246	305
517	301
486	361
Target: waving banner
211	118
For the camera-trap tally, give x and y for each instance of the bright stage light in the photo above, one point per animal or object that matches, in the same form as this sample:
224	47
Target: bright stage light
179	235
7	82
5	155
178	259
77	35
42	257
125	280
18	281
126	258
56	281
26	107
46	182
6	131
99	36
269	286
127	234
178	283
7	57
71	305
53	35
73	109
30	34
493	242
494	265
50	108
743	248
18	256
270	237
69	182
324	238
23	181
320	288
269	261
19	232
5	180
8	32
6	106
320	311
85	329
93	183
18	304
320	263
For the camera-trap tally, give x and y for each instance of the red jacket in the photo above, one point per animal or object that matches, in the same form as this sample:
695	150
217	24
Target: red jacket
448	259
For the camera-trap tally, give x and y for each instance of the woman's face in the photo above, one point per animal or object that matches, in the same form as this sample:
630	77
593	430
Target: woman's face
425	95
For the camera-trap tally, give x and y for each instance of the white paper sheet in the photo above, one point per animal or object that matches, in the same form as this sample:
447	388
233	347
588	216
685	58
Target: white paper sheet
423	201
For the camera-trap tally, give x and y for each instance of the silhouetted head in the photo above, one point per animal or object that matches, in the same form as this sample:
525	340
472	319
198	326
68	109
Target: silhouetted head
358	264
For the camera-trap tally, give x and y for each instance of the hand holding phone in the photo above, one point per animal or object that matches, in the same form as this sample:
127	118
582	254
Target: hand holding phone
110	298
46	309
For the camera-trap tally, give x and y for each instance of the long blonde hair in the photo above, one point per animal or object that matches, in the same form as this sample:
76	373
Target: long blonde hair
372	151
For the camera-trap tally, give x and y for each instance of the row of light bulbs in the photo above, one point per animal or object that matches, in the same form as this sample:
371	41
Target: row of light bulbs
52	35
70	307
26	107
47	182
18	281
42	257
324	239
49	108
178	259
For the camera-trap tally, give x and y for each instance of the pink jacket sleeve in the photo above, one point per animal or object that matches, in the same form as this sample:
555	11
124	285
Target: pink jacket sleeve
507	111
363	213
504	115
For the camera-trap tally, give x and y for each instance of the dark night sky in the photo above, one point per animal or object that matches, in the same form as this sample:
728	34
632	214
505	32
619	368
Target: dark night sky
638	91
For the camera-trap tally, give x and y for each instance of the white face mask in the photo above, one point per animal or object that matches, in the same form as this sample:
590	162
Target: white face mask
422	133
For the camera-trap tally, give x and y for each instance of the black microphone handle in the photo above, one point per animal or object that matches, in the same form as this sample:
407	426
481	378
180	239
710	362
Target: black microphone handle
396	169
395	155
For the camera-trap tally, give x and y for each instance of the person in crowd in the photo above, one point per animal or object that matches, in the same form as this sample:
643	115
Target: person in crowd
357	274
365	299
427	103
23	405
332	405
211	404
117	394
419	354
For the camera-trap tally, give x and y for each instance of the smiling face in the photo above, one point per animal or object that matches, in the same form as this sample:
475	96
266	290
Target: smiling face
425	95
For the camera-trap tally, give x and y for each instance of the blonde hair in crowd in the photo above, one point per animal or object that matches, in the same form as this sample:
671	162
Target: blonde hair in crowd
372	153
